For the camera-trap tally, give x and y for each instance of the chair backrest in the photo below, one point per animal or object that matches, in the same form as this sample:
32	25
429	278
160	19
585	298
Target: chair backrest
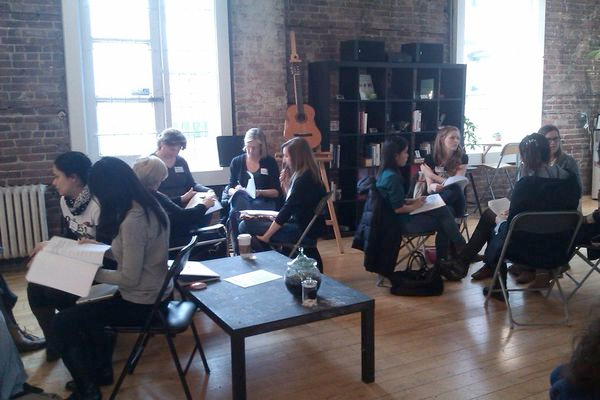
171	276
547	223
510	149
318	212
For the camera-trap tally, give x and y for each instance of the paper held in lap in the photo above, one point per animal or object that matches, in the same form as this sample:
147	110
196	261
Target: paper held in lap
259	214
459	180
197	199
432	202
67	265
499	206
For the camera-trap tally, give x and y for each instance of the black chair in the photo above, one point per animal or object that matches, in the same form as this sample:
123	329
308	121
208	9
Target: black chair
211	242
308	244
538	226
167	319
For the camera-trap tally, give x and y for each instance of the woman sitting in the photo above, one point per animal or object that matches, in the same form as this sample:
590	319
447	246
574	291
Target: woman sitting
179	185
488	221
151	171
391	187
140	246
301	183
448	159
541	188
81	215
254	165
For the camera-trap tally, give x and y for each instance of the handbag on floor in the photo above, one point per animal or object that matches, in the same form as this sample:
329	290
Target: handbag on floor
417	279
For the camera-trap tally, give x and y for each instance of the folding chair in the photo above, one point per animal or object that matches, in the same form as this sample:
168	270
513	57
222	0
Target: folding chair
586	259
167	320
508	150
308	244
540	223
210	238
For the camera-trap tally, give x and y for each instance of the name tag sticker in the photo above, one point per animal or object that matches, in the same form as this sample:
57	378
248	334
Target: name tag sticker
440	170
179	170
73	225
264	171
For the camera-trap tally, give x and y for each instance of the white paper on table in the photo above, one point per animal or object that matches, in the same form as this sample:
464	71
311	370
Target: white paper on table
197	199
251	186
432	202
252	278
498	206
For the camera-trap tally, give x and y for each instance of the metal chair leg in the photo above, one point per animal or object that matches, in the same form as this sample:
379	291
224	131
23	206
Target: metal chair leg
186	389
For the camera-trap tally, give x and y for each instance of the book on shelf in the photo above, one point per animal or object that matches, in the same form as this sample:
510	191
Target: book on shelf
334	149
67	265
416	121
362	122
366	89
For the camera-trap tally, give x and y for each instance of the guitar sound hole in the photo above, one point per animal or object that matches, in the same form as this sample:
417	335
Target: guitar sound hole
301	118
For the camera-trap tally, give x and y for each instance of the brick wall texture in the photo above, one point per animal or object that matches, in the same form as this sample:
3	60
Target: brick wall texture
32	71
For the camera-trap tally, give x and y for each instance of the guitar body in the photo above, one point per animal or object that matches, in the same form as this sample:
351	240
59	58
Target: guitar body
302	125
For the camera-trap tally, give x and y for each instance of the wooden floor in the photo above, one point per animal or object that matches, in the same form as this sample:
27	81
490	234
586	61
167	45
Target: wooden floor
446	347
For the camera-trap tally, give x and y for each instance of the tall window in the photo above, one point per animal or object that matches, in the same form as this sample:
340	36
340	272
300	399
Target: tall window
502	43
147	65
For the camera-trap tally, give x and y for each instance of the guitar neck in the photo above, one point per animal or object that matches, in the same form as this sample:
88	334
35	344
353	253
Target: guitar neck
298	94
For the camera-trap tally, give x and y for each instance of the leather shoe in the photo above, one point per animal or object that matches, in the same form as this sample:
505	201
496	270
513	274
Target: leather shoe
516	269
25	341
101	378
452	270
495	295
476	258
541	281
526	276
482	273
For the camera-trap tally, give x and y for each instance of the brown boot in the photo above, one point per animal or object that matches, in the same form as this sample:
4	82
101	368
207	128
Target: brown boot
482	273
25	341
541	281
526	276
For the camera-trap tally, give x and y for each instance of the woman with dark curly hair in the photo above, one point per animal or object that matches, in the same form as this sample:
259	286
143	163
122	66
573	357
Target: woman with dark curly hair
580	378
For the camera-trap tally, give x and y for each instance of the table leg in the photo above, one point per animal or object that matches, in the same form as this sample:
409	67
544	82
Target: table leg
238	367
475	192
367	322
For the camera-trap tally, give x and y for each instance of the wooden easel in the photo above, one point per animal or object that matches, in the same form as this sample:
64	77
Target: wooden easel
323	157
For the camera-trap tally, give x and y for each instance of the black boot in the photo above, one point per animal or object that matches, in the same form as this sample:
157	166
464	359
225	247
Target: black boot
44	316
497	293
85	388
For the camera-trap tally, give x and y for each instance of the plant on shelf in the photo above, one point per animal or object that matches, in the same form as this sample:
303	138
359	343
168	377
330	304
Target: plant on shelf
470	135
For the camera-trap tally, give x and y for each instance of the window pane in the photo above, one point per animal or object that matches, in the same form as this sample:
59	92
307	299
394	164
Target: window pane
126	128
119	19
193	78
122	69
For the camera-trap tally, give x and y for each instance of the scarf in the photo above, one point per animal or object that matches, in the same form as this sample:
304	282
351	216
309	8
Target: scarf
78	205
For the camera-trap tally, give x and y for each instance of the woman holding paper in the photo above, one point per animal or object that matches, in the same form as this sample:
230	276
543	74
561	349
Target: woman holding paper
151	171
302	185
448	160
140	246
390	185
254	180
81	214
541	188
180	185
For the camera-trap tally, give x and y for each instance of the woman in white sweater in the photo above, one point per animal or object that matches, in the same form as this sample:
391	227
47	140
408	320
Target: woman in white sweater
140	248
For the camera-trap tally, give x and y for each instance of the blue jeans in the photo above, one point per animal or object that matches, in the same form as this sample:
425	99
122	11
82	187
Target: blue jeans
289	232
12	372
562	389
439	220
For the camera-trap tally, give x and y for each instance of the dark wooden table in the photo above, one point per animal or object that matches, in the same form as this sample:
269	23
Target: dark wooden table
269	307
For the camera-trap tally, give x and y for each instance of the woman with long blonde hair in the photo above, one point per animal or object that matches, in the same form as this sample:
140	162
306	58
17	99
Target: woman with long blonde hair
448	159
301	183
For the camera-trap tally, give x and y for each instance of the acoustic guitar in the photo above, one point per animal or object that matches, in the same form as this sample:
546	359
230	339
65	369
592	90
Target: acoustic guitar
300	117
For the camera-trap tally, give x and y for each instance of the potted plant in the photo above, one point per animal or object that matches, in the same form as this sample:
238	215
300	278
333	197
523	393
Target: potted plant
470	135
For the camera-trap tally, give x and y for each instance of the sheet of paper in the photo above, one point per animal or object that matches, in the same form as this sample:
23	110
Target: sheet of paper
99	291
197	199
459	180
87	252
198	271
251	186
498	206
256	213
63	273
253	278
432	202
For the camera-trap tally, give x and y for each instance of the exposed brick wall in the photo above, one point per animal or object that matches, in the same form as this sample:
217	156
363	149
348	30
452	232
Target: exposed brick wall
32	94
571	78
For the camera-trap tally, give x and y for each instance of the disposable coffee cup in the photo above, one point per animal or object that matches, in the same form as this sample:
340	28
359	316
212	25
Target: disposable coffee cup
309	292
244	241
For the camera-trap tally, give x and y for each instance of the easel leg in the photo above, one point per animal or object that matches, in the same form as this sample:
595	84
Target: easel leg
333	222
